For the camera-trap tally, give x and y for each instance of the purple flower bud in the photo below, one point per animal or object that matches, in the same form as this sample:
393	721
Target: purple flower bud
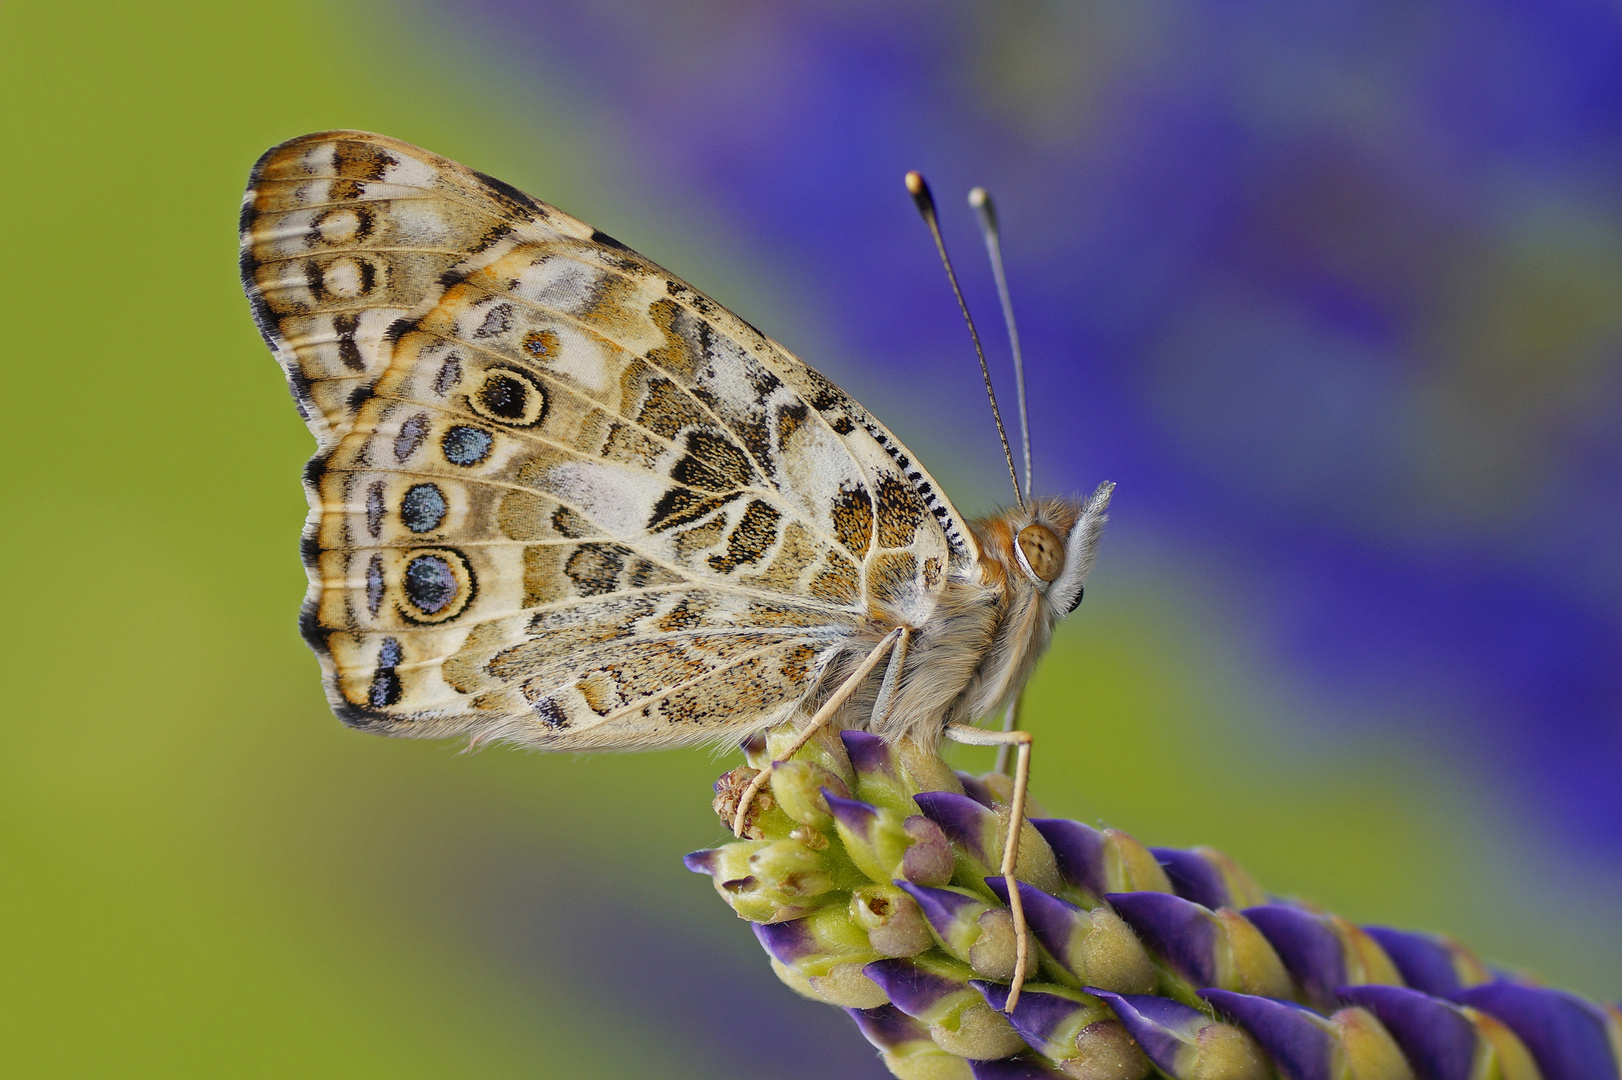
853	814
888	1028
1428	962
1038	1016
1438	1041
1242	888
914	989
1086	946
1078	1031
1301	1042
938	993
968	928
1565	1034
1079	851
1181	933
1193	878
972	828
1309	948
702	862
868	753
875	839
905	1044
951	912
787	942
1168	1032
978	790
881	776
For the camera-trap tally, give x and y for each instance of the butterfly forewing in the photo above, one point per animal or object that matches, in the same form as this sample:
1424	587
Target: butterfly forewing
562	497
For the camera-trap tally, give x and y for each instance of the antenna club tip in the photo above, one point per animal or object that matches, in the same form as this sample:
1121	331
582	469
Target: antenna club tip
921	197
979	197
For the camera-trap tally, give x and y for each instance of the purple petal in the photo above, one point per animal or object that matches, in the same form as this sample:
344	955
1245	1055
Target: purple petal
1079	851
868	753
787	941
1310	950
996	994
1424	963
702	862
1052	920
1436	1039
853	814
1193	877
942	907
1565	1034
965	822
1302	1049
978	790
887	1027
912	989
1181	932
1159	1025
1037	1015
1014	1068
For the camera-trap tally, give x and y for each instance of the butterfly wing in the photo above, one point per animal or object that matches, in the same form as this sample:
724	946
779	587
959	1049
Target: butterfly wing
561	497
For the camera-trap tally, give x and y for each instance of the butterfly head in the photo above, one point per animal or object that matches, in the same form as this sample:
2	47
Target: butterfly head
1046	548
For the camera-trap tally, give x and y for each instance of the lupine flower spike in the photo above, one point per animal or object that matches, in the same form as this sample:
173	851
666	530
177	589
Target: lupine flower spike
871	873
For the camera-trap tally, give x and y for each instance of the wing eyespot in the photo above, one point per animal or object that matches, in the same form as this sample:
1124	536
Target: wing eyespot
509	396
466	446
436	585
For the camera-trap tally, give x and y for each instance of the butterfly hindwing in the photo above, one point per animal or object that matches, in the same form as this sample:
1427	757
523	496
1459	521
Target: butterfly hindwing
565	499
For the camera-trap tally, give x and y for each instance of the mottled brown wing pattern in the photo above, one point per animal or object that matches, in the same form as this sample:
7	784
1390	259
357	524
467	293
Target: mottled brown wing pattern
340	238
564	499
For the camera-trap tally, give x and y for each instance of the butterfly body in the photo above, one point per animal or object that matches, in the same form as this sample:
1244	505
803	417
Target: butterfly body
562	499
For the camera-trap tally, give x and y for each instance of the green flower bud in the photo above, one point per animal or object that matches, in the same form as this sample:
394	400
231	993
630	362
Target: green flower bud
1186	1043
895	926
824	749
823	956
880	778
978	832
968	928
876	838
1083	948
1076	1031
1198	948
906	1047
797	787
767	880
937	991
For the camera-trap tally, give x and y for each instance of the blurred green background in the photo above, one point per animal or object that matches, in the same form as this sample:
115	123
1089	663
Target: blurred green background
203	874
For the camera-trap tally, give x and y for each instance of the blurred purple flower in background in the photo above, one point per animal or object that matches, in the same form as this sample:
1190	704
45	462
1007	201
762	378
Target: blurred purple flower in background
1334	292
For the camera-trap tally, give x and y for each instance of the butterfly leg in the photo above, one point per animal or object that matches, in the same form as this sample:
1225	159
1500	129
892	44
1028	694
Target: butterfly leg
817	721
892	677
1010	722
1021	742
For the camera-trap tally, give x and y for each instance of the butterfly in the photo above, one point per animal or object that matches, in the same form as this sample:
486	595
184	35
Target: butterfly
560	498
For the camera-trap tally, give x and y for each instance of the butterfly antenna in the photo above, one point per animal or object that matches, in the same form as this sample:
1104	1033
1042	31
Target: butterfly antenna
980	199
925	202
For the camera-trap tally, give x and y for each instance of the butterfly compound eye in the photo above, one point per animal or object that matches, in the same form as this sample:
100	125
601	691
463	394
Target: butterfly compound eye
1040	552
